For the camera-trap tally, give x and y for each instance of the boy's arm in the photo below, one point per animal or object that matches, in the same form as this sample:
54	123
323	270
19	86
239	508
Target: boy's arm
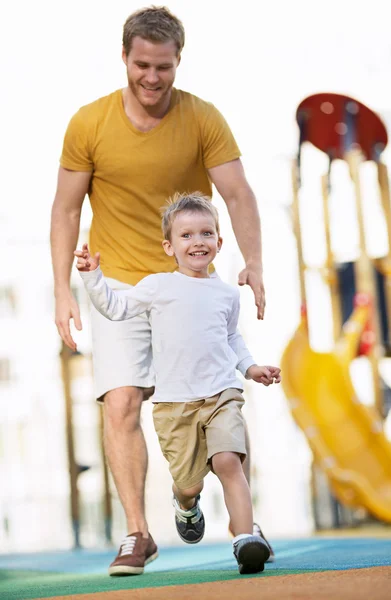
237	343
118	306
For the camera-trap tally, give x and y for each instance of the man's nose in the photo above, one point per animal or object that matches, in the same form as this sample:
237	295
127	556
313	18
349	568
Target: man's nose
152	76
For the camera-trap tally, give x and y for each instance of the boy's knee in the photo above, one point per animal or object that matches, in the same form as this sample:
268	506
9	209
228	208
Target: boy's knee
193	491
226	463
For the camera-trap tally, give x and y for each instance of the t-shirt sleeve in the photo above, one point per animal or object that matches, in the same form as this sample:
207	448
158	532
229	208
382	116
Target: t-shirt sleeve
119	305
76	150
235	340
218	143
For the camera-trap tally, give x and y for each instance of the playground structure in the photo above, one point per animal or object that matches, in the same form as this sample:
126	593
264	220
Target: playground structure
346	437
70	363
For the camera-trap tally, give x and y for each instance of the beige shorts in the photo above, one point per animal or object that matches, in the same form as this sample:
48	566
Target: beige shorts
121	350
190	433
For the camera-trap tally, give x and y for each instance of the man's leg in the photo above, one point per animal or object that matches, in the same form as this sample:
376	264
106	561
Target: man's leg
126	452
122	375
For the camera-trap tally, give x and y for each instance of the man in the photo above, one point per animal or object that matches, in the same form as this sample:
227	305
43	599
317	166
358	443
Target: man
130	151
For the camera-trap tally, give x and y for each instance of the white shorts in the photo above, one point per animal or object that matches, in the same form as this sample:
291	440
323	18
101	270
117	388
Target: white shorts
121	350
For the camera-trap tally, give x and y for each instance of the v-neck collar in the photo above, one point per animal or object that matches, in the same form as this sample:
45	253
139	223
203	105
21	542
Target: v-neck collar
129	124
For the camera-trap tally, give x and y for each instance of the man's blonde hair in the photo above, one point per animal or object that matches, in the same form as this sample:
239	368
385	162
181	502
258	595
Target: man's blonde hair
194	202
155	24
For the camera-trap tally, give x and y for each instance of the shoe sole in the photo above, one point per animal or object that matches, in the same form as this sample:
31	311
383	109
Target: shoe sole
272	557
252	558
124	570
192	541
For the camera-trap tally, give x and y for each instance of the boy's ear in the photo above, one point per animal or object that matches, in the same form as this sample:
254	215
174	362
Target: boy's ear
219	244
168	249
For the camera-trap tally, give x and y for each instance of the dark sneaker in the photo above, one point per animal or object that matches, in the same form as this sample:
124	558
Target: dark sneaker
251	553
258	531
134	553
190	524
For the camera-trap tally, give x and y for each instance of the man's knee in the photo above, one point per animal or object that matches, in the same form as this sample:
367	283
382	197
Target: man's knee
122	406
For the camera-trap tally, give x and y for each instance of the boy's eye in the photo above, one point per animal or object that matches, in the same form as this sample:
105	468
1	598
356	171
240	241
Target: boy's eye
186	235
207	233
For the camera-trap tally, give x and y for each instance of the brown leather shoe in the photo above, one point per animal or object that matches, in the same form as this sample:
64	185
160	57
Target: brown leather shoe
134	553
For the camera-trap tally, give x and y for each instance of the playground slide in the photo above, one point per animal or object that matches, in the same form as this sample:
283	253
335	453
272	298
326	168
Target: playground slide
346	437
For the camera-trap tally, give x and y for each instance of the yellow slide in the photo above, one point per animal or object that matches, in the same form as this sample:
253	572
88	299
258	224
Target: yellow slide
345	436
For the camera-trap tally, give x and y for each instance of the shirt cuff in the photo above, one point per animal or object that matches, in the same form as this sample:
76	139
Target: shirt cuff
94	275
245	364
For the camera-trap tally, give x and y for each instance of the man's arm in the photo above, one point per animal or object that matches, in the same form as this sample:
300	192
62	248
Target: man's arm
231	183
72	187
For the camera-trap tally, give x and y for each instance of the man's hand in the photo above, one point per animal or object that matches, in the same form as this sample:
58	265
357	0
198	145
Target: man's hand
85	262
266	375
252	276
66	309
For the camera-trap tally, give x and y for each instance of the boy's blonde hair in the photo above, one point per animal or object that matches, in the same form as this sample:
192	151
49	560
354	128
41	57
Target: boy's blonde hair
194	202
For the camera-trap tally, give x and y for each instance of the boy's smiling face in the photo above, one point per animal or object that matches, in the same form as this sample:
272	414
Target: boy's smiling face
194	242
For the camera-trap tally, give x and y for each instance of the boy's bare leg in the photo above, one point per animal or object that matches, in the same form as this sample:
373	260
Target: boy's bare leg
228	468
250	551
187	498
126	452
246	464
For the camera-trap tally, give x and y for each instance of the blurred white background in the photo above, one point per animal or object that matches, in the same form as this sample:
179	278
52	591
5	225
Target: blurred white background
255	60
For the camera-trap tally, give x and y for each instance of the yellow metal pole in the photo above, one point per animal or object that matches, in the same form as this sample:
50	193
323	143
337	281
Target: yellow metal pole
66	357
331	275
365	280
297	230
384	186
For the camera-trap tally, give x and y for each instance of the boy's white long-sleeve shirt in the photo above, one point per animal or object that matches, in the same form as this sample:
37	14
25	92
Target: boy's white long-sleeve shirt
195	343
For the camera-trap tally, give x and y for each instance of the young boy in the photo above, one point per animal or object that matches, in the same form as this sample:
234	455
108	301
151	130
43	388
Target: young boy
196	350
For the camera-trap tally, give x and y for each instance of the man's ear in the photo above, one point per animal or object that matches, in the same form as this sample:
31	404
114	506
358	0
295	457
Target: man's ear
124	57
168	249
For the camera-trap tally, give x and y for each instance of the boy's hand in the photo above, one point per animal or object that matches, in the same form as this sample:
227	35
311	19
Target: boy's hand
85	262
266	375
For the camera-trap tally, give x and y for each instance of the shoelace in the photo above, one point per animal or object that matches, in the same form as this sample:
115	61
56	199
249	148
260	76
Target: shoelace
128	545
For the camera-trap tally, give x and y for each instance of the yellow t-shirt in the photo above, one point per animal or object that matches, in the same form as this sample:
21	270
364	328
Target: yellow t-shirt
134	173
